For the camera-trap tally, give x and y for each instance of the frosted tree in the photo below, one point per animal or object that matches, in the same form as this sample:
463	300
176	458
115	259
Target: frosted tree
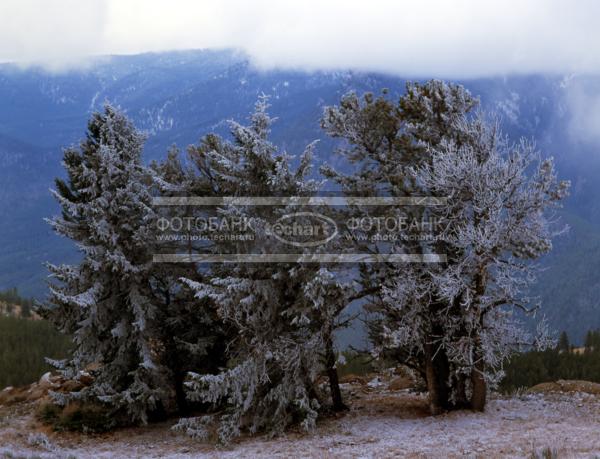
497	225
283	314
383	140
421	316
194	336
107	301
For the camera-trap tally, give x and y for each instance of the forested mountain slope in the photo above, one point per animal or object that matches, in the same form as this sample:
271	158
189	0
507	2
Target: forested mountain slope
178	97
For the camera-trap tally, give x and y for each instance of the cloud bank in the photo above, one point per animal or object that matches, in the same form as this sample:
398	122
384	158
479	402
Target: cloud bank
459	38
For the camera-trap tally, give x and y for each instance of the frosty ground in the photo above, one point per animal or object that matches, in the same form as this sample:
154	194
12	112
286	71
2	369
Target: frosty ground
381	423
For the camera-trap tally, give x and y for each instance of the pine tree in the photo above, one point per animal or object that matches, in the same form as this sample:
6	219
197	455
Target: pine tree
383	141
563	342
404	149
496	226
195	337
283	314
107	301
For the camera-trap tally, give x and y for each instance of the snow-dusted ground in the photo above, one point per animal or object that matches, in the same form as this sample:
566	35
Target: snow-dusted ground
380	424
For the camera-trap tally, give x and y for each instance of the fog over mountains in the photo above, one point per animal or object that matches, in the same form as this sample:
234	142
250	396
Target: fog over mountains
178	97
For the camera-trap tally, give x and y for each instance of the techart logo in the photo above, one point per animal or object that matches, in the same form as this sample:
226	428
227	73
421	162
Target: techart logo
304	229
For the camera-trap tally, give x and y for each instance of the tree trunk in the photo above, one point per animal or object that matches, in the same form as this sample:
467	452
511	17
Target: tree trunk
174	363
479	395
182	404
336	394
334	384
437	372
460	392
479	386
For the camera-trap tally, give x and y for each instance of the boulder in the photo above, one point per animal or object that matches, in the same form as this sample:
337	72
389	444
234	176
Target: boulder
401	383
567	386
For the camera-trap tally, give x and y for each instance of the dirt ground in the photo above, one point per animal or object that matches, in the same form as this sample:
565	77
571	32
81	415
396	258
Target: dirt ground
381	423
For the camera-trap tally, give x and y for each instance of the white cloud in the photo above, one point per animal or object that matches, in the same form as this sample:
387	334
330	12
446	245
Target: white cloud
458	38
59	33
583	102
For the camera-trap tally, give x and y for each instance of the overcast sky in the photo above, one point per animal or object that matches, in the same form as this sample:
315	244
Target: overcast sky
458	38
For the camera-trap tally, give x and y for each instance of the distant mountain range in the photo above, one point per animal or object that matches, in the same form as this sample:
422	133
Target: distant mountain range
178	97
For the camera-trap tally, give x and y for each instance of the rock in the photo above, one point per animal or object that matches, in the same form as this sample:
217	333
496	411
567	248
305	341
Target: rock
579	386
92	367
353	379
39	391
36	392
12	395
47	381
568	386
400	383
545	387
375	382
71	386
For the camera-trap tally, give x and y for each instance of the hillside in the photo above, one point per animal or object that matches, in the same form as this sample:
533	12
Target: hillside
13	310
25	341
24	344
13	305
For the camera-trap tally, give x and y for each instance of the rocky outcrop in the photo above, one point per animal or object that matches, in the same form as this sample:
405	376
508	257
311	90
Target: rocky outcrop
47	383
567	386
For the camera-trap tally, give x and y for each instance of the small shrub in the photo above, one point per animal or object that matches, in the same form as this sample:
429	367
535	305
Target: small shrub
87	418
356	363
48	412
39	440
546	453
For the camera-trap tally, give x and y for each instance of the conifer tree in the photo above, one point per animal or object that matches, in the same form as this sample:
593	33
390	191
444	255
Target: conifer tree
107	301
449	336
384	140
563	342
283	314
497	223
195	337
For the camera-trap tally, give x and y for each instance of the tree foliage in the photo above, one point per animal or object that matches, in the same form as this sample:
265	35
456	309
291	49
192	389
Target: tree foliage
106	302
452	321
283	315
247	343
